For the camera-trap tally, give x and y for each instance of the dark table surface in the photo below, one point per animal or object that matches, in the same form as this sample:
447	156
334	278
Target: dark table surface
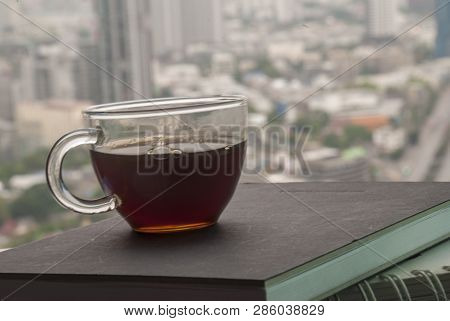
263	232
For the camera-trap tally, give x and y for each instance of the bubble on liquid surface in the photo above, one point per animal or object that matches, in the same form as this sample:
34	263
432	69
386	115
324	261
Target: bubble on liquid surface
163	151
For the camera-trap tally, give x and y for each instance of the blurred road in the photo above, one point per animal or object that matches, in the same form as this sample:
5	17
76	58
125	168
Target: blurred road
418	159
443	174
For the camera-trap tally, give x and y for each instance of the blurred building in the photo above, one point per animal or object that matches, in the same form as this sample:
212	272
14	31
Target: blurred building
390	58
280	11
442	47
287	50
47	73
222	63
285	10
6	140
23	182
178	24
177	76
41	123
255	9
5	20
6	92
201	21
329	164
9	20
382	18
47	70
125	52
338	101
166	24
360	107
87	76
388	140
382	114
421	6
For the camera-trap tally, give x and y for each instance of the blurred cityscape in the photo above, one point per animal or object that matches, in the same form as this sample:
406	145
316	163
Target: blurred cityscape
371	78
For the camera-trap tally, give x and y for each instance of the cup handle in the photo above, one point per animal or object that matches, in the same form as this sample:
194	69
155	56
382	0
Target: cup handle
54	178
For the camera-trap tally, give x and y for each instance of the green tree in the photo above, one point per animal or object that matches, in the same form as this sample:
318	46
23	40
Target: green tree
165	92
356	134
36	162
352	135
275	117
332	140
317	120
30	163
35	202
422	53
367	85
76	158
264	65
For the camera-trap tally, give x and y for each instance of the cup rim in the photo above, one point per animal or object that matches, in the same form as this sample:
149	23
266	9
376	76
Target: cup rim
164	106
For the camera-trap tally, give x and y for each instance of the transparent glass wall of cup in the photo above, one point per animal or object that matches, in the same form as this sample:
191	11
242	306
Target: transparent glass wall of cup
165	165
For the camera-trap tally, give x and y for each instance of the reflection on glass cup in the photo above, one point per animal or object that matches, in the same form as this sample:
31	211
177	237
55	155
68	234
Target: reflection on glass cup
165	164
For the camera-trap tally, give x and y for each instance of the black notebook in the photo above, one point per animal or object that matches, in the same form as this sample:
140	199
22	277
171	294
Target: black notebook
297	241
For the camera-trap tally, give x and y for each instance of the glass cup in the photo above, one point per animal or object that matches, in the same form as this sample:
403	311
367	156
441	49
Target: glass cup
165	165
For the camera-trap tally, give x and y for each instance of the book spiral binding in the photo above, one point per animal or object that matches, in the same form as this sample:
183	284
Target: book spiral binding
426	277
367	291
399	286
433	282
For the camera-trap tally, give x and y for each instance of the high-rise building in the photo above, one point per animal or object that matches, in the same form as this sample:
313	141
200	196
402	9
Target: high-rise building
201	21
9	20
87	76
382	18
46	72
442	48
285	10
166	25
125	51
5	23
6	92
421	6
257	9
6	140
178	24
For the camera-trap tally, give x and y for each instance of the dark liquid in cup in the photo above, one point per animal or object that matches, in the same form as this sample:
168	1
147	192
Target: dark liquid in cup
184	187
